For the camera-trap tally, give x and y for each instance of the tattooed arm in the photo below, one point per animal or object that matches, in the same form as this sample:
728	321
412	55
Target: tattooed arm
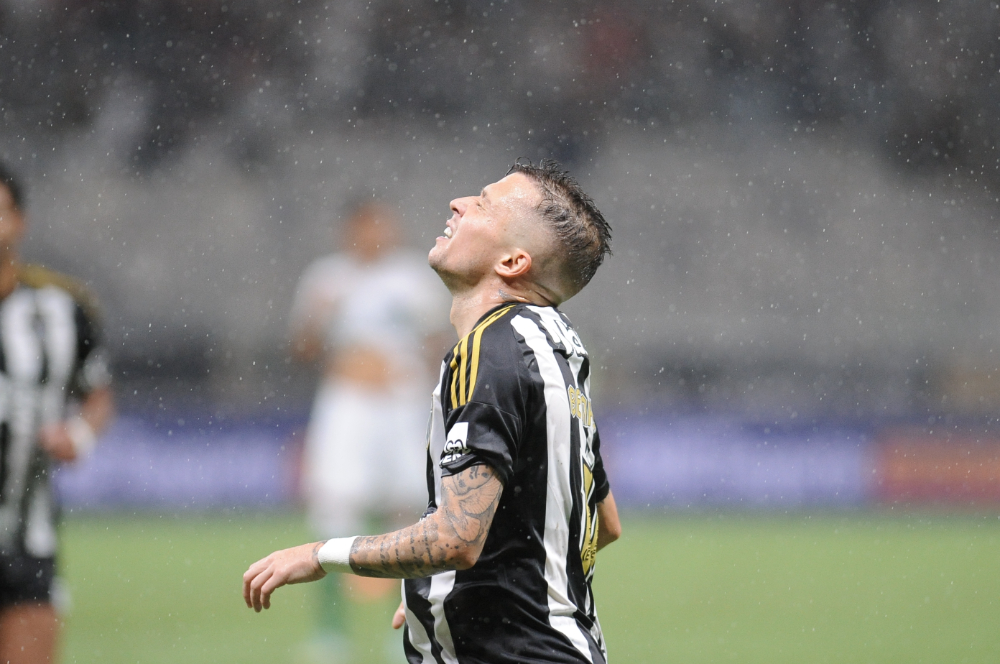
450	538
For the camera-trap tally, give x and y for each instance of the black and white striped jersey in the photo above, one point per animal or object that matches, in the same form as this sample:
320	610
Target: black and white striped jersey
515	394
49	355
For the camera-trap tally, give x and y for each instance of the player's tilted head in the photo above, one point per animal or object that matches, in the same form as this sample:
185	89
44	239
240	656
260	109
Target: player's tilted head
582	235
12	185
533	236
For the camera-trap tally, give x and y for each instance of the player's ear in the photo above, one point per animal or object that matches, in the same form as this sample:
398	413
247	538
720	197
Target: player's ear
514	264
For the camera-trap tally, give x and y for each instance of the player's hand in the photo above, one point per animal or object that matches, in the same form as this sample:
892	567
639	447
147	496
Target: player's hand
56	441
296	565
399	617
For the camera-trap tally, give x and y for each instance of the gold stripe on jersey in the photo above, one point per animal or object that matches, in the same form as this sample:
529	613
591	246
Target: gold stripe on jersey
456	360
465	364
463	354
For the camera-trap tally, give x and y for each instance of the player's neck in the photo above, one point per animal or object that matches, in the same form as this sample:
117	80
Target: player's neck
467	307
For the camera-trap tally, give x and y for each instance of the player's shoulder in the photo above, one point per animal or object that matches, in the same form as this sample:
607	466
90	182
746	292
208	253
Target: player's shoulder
521	329
507	338
495	329
485	365
517	319
548	328
491	342
38	277
325	265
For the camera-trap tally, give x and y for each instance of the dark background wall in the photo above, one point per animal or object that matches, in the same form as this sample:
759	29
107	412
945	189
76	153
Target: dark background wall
804	194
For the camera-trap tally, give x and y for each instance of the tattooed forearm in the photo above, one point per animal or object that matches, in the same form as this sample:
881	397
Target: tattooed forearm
450	538
315	554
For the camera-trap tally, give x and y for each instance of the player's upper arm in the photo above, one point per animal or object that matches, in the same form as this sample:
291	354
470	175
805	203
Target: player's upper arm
484	399
484	409
609	527
91	372
469	500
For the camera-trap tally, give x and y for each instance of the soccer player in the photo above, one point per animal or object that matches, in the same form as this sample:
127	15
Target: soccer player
499	569
54	400
368	313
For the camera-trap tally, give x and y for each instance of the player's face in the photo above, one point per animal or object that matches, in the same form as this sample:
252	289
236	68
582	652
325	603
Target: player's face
371	233
11	223
480	228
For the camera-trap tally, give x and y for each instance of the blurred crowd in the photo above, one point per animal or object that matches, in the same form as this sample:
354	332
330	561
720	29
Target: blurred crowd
804	193
919	79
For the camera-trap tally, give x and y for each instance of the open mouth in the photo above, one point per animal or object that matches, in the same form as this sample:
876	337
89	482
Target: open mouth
447	232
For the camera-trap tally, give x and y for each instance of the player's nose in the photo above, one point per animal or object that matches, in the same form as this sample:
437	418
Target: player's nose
460	205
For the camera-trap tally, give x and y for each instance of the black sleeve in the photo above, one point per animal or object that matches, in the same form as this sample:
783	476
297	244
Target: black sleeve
487	425
601	486
91	367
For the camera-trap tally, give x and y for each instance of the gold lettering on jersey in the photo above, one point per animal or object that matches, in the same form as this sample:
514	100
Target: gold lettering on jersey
568	337
580	406
588	552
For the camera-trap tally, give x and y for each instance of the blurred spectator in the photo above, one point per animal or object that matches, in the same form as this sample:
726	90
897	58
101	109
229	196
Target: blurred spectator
55	396
917	79
269	91
374	315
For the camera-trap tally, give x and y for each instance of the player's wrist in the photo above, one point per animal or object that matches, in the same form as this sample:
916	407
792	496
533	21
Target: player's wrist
81	435
335	555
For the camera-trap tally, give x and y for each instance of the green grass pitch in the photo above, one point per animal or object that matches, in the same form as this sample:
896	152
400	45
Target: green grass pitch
696	588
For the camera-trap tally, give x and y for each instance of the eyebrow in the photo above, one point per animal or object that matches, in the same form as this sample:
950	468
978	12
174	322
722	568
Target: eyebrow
483	195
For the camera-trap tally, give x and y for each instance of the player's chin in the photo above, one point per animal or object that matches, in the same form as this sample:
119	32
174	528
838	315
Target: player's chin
435	258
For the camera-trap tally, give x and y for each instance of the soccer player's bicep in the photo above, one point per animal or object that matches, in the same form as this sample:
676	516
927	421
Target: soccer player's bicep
469	501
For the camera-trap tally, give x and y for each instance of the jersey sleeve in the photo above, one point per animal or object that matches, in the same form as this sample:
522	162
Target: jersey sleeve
601	486
91	366
483	404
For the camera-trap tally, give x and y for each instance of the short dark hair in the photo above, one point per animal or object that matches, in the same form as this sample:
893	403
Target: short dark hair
9	180
354	203
579	227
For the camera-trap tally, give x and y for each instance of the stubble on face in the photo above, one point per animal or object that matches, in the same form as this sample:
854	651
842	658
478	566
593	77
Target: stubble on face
481	227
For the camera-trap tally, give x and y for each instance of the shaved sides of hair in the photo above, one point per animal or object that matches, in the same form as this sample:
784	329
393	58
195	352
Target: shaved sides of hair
582	234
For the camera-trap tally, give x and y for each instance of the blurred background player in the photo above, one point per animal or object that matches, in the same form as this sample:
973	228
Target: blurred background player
374	315
54	400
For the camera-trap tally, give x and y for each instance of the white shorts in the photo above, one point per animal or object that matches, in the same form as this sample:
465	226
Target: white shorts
365	454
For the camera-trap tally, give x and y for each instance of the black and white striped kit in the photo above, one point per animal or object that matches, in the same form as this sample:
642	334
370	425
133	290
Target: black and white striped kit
49	355
515	394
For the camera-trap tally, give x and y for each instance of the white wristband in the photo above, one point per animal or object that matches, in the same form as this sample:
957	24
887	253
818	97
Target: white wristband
335	555
82	435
